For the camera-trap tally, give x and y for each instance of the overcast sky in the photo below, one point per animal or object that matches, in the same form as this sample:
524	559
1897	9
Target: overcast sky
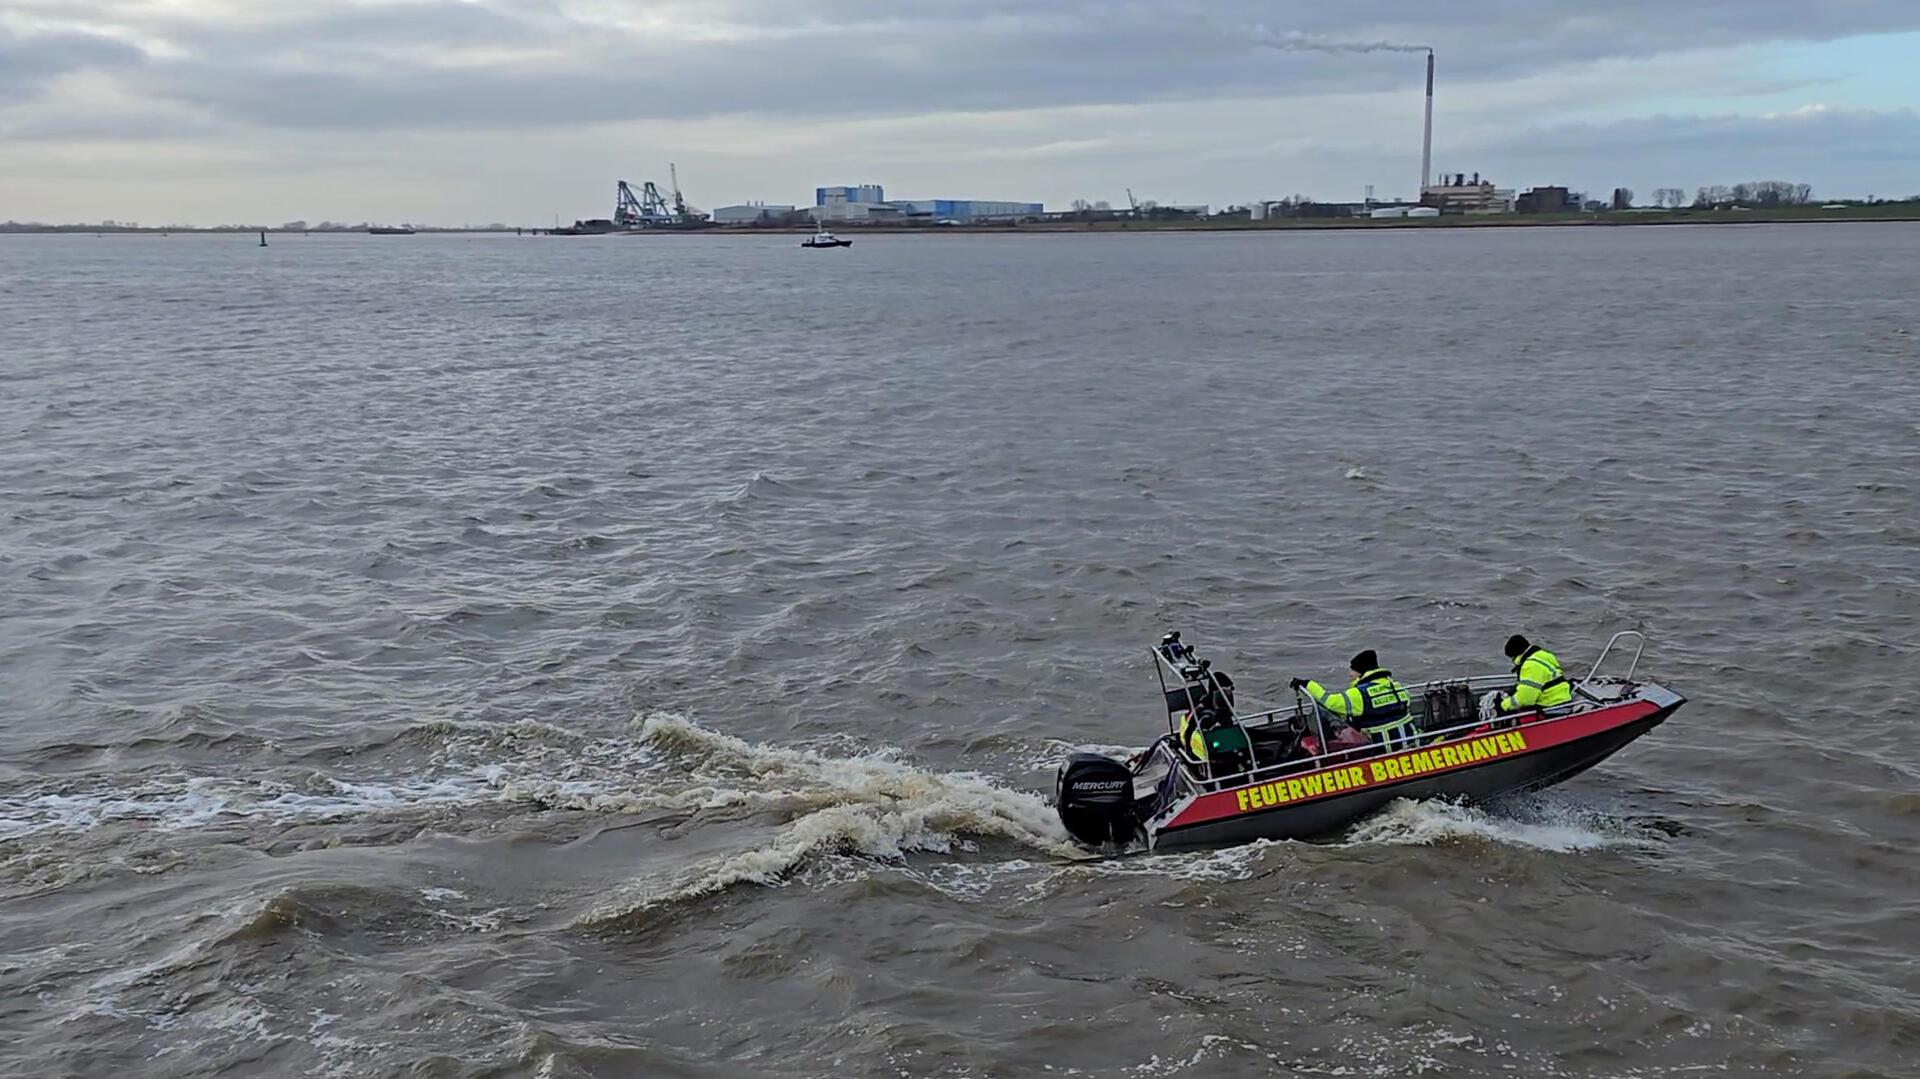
454	111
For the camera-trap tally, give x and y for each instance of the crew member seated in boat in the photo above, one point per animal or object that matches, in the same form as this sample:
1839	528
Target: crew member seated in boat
1372	701
1538	681
1210	735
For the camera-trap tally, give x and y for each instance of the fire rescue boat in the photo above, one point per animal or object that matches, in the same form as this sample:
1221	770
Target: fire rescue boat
1300	773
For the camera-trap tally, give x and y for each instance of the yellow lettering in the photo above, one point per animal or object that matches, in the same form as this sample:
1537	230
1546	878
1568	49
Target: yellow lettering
1379	769
1480	751
1356	777
1450	756
1392	769
1293	789
1244	797
1500	743
1311	784
1518	742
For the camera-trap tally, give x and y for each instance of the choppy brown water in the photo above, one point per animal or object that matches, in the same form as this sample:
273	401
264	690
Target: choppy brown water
494	657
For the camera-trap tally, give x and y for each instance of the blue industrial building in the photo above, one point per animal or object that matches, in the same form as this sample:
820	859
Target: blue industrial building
856	193
965	210
869	202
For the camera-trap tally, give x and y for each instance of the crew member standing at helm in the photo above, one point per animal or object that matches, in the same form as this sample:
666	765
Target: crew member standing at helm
1372	701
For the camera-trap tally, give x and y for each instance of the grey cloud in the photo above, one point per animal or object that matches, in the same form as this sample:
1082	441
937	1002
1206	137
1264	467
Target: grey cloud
1837	151
28	63
381	66
133	125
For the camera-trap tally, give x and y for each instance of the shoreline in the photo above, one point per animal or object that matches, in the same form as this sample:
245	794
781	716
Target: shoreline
1896	212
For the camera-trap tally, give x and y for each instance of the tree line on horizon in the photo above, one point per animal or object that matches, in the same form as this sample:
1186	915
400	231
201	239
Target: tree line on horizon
1764	194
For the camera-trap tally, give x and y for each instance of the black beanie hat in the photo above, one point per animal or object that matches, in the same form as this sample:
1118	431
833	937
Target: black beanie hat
1516	644
1365	661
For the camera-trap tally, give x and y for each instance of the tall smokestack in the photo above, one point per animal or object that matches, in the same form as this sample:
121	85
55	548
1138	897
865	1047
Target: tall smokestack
1426	140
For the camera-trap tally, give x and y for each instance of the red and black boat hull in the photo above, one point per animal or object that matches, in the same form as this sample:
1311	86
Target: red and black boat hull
1307	805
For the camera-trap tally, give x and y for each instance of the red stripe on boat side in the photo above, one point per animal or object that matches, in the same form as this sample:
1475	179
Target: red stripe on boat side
1332	783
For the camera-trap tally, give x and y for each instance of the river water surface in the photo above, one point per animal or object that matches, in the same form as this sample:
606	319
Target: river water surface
513	656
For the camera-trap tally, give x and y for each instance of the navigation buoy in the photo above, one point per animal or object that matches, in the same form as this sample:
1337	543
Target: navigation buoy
263	237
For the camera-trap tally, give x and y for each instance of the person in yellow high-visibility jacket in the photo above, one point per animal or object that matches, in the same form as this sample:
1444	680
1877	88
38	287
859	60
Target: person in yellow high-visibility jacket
1372	701
1538	681
1211	735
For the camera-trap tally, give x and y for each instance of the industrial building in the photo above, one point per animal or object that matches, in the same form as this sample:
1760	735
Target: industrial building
1547	200
869	203
751	213
967	210
866	193
848	202
864	212
1456	194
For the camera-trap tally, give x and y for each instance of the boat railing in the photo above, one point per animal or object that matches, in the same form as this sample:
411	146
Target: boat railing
1631	667
1304	712
1374	749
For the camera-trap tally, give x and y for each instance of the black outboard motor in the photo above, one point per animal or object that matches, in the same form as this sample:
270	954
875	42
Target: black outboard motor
1095	797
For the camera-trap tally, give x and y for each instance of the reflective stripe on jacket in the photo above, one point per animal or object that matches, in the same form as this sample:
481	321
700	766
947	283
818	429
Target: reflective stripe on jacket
1374	702
1539	683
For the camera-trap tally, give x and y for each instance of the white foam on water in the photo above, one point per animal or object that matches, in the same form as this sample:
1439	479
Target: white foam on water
348	799
1224	864
569	775
182	803
919	797
974	881
1538	825
1055	750
876	807
863	806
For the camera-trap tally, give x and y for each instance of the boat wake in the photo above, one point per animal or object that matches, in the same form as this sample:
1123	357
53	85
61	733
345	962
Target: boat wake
872	806
427	767
1538	823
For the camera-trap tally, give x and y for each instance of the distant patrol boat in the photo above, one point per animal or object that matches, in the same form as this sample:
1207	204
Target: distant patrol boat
822	238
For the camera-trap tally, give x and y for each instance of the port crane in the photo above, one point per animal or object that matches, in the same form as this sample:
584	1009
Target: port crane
637	212
650	208
680	209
